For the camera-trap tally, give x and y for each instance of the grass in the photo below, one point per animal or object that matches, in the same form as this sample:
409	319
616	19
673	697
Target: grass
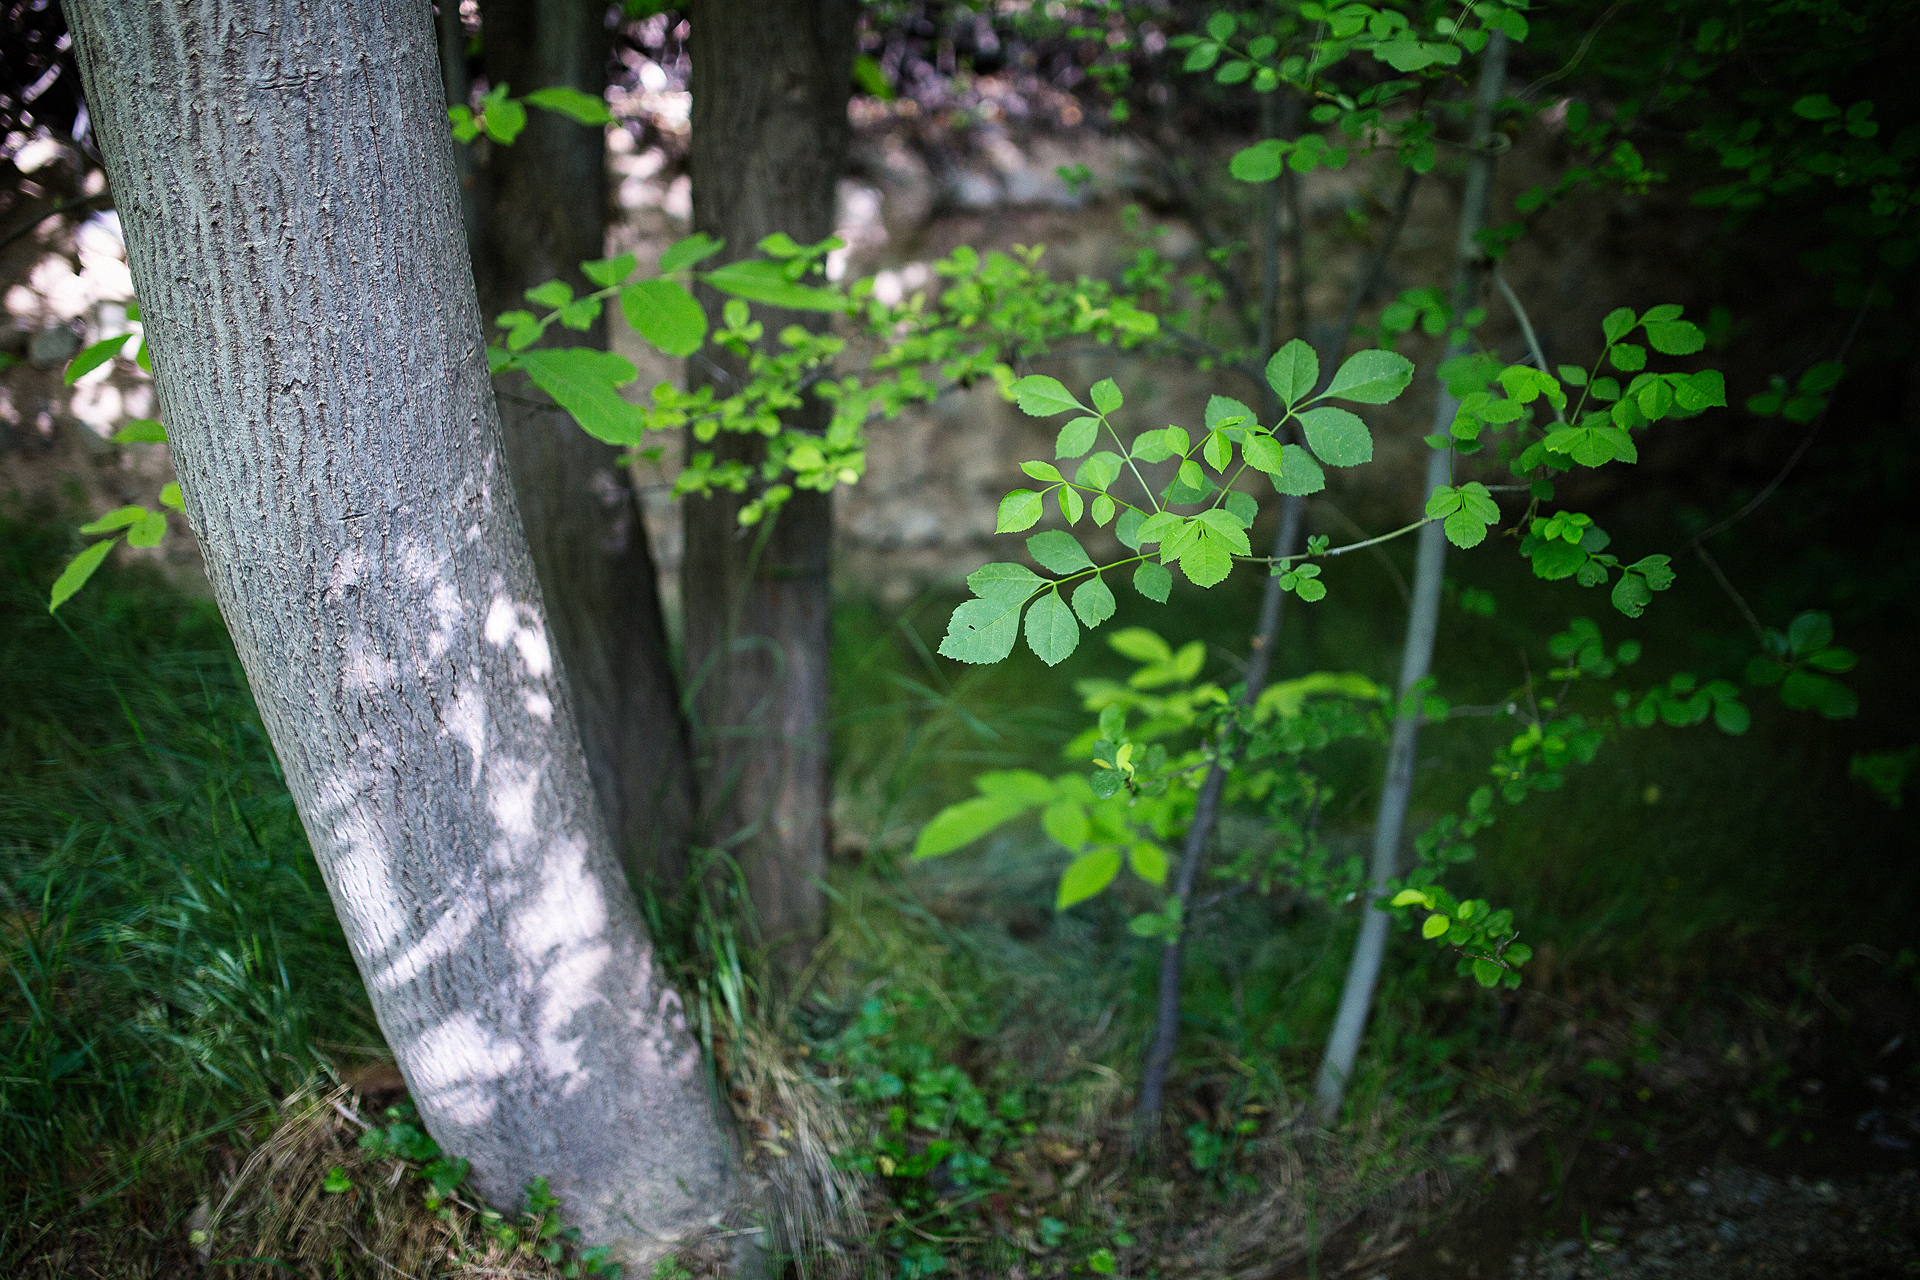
171	959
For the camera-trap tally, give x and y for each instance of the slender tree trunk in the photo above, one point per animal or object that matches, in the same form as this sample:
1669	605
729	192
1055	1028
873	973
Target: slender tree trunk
541	210
285	180
770	85
1416	657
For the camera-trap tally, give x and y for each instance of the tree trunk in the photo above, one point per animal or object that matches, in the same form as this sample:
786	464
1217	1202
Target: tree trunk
284	175
541	211
770	133
1423	621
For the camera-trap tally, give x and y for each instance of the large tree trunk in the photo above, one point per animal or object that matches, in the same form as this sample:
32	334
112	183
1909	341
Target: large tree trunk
770	85
540	210
284	175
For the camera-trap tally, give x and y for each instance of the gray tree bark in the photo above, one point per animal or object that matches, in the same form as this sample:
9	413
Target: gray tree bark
1423	622
284	175
541	210
771	80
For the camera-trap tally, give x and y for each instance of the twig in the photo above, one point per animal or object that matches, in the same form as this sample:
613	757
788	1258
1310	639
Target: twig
1526	327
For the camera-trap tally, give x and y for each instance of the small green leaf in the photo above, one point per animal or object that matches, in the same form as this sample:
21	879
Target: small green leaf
684	253
579	107
1676	337
1093	602
1411	897
1148	860
170	497
1087	875
1205	559
1065	822
80	568
1041	397
1106	395
959	825
582	381
1338	436
665	315
1076	437
1261	162
141	431
1299	473
122	517
758	280
1816	106
1018	510
1435	926
1059	551
1293	372
1487	972
1218	451
1372	377
1618	324
149	532
608	272
1004	581
982	630
1103	509
1043	471
1052	633
95	356
1152	581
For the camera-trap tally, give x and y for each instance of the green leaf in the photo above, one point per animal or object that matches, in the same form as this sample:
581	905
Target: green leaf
758	280
871	79
1103	509
1628	357
665	315
1140	645
553	295
78	570
1731	716
1093	602
1004	581
1227	529
1098	471
170	497
1372	377
1065	822
1299	473
148	533
1631	595
1041	397
1189	477
1157	527
1051	631
1018	510
1261	162
1106	395
582	381
336	1181
121	517
1043	471
1816	106
1072	505
1487	972
1294	371
1087	875
1058	551
1411	897
579	107
1076	438
1618	324
1435	926
684	253
95	356
608	272
1338	436
1022	784
1152	581
1809	632
1148	860
982	630
141	431
1676	338
1153	446
1205	559
1465	530
1218	451
959	825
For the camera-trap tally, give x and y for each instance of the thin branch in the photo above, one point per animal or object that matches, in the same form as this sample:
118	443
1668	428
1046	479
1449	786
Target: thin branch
1526	327
63	207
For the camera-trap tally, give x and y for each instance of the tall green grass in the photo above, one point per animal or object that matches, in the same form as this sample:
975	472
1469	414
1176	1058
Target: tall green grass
170	955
